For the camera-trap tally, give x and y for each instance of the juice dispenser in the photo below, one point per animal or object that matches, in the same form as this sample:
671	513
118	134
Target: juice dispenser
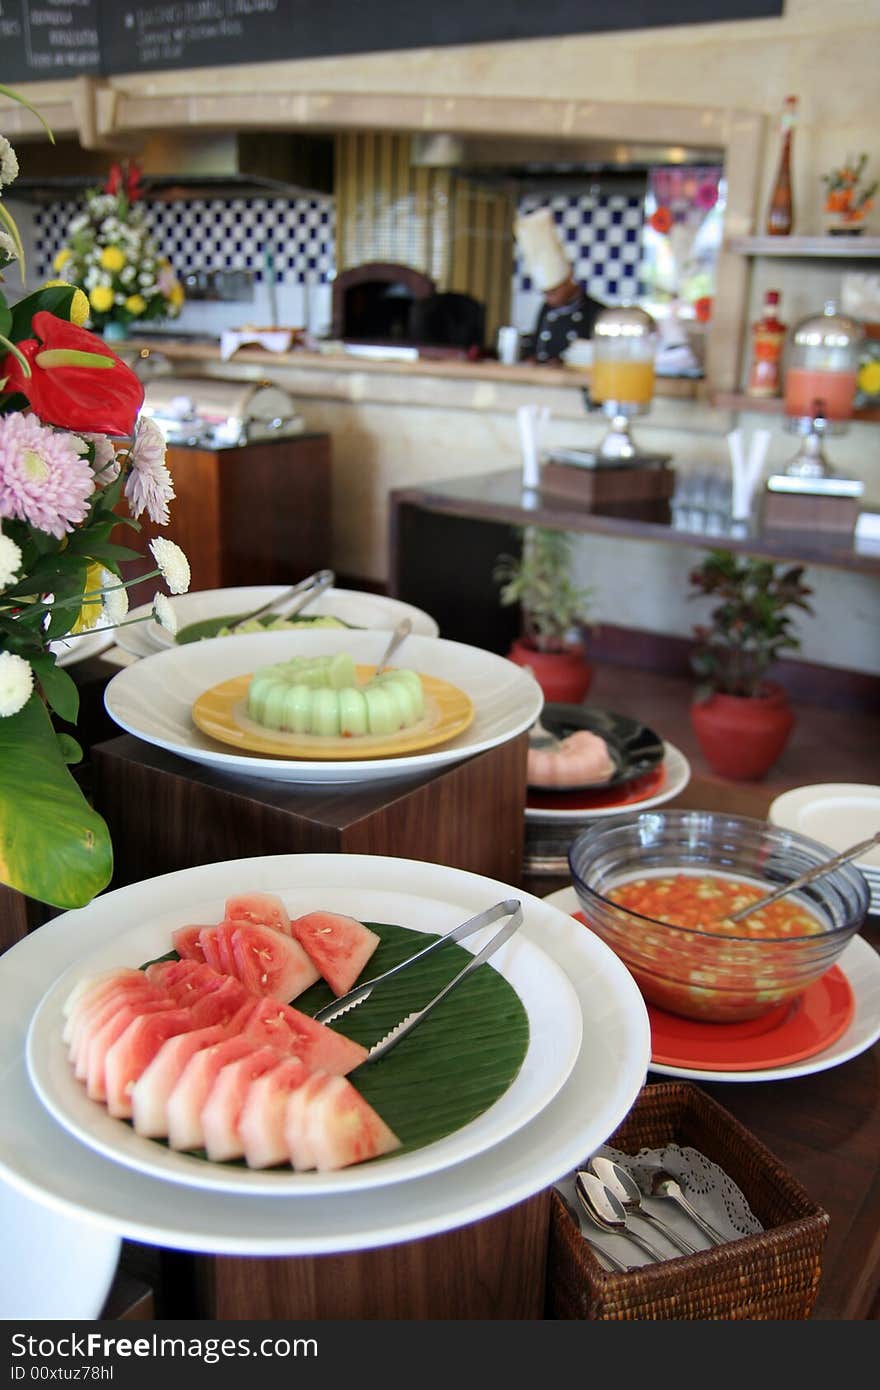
820	385
622	381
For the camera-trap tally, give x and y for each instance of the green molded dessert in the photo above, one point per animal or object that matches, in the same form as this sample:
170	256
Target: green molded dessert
321	695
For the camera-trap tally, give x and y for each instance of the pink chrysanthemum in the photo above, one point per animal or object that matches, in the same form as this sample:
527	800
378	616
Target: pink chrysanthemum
148	486
44	478
106	464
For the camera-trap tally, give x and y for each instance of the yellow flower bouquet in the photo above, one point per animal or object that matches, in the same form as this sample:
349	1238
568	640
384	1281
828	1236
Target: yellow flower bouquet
112	258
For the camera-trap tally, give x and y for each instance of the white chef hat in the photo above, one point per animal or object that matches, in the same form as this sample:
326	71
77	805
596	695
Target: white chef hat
539	243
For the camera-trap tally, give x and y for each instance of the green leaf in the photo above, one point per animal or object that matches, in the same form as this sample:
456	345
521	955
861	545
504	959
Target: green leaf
56	300
70	750
5	318
58	687
53	846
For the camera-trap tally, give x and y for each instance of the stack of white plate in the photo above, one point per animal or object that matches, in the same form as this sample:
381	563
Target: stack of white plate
839	814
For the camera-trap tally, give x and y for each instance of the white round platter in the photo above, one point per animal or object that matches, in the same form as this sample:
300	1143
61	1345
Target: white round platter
359	608
38	1156
153	699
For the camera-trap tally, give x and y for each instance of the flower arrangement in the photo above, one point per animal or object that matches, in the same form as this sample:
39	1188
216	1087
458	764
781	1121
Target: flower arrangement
847	199
750	625
112	258
76	465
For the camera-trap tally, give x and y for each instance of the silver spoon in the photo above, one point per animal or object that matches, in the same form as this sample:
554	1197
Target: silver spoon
816	872
403	629
629	1194
605	1209
663	1184
599	1251
302	594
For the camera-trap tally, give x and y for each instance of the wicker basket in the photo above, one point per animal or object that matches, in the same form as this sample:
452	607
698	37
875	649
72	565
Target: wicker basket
773	1275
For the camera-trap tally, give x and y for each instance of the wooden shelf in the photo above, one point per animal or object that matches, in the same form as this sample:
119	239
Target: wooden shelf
839	248
773	405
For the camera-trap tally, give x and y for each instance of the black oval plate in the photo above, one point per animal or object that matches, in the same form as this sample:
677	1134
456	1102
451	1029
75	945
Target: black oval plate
634	748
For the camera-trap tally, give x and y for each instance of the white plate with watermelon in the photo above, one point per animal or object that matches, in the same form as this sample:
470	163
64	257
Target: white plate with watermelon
153	700
352	606
554	1031
41	1157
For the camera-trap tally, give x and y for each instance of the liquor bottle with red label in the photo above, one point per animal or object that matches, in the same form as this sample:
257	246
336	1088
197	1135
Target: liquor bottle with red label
768	340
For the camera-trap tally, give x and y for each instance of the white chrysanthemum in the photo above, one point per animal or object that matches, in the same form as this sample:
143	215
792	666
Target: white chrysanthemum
114	597
10	560
163	612
16	683
7	247
173	564
8	162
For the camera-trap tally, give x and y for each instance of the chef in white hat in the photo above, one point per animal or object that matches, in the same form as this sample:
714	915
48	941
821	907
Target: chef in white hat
568	312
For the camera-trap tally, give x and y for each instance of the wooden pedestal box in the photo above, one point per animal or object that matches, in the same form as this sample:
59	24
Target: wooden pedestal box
254	514
165	813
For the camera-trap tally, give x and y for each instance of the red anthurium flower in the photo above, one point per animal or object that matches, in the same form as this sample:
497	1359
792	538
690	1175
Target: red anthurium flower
133	190
114	179
76	381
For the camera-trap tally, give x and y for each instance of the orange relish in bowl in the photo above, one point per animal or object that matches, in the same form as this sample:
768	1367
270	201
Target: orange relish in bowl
704	902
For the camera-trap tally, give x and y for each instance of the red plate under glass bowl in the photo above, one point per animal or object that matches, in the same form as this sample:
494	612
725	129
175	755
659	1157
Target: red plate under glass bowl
697	973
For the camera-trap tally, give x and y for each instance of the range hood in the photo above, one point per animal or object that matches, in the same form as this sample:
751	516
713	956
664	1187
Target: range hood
206	165
535	165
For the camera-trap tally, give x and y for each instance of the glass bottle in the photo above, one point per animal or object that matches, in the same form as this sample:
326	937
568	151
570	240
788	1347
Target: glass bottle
768	339
780	213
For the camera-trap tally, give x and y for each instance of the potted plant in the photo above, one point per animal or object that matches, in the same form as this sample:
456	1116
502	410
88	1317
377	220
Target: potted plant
553	609
741	718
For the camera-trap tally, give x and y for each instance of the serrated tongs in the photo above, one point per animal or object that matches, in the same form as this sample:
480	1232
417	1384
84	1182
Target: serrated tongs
510	907
295	599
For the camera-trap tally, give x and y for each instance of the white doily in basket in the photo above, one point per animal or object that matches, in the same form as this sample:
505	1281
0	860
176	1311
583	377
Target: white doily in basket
707	1187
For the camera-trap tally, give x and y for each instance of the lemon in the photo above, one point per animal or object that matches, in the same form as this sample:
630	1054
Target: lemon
869	377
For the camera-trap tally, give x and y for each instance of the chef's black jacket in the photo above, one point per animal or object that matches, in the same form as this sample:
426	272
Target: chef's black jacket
556	328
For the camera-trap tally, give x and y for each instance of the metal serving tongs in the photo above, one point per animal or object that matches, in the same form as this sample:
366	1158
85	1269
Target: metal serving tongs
510	907
297	597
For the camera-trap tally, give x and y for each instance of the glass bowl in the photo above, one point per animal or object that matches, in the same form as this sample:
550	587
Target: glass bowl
698	973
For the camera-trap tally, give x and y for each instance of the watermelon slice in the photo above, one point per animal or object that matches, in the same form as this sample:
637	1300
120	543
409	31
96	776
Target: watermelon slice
89	991
340	946
99	1043
262	1119
296	1135
91	1016
297	1035
133	1051
342	1128
149	1095
186	943
191	1090
222	1108
178	974
270	964
258	909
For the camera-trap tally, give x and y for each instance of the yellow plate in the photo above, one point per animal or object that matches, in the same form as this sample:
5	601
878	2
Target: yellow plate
221	712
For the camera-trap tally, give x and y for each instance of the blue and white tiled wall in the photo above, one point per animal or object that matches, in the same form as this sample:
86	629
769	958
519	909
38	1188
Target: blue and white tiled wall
292	239
602	236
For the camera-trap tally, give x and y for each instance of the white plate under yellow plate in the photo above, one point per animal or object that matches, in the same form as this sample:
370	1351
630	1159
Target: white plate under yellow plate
221	712
153	699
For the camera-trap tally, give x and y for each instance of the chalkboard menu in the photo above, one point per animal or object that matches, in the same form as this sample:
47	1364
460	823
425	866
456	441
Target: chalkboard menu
59	38
42	39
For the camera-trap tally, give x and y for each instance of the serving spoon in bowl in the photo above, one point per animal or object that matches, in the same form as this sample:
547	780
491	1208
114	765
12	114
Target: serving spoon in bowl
803	879
625	1188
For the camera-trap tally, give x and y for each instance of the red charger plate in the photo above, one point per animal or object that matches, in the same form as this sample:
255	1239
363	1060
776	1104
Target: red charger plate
787	1034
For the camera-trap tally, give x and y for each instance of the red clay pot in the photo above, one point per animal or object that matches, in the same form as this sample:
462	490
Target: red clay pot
743	736
564	676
